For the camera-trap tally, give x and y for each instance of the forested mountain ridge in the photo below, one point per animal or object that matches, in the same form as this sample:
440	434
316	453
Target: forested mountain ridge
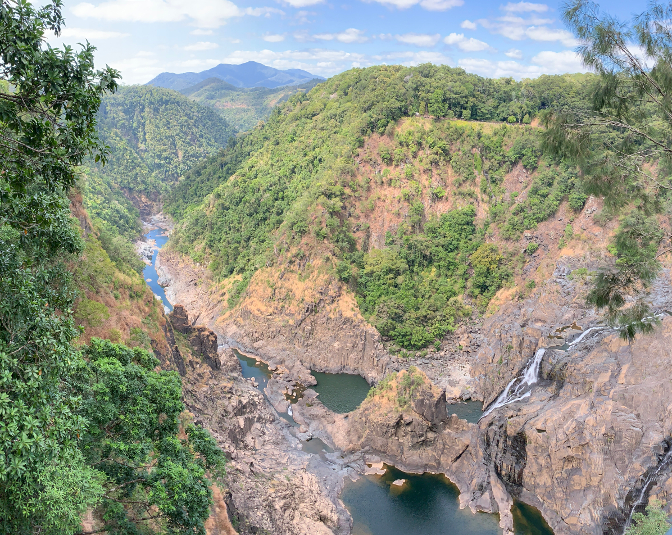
154	135
243	108
309	187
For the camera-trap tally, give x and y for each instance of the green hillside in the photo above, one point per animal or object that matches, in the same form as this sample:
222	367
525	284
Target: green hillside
242	107
154	135
295	186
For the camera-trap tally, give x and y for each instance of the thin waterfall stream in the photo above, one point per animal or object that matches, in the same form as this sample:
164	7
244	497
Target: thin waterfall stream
520	387
647	483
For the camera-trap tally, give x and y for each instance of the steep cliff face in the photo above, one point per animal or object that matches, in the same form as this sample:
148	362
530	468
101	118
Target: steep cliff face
272	486
321	329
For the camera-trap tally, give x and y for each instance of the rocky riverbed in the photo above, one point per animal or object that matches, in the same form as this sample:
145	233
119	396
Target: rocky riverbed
578	447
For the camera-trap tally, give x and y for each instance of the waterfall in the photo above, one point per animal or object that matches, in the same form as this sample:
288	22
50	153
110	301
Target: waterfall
647	483
520	387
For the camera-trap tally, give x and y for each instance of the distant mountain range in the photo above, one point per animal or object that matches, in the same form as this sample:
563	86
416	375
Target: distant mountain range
243	107
250	74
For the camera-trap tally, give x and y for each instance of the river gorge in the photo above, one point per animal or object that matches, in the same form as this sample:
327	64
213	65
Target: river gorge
380	499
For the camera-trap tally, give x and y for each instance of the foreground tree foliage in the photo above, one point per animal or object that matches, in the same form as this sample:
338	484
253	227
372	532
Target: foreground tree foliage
65	416
622	146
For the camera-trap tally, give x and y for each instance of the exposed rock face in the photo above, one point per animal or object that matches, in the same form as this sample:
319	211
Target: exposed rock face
273	487
321	335
415	434
272	483
590	429
202	340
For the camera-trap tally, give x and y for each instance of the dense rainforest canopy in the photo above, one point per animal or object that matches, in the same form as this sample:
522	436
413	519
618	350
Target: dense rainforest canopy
154	136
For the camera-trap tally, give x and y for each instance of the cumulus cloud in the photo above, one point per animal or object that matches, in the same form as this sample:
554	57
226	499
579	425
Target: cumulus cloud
530	27
201	13
541	33
274	37
468	25
546	62
418	39
263	11
525	7
302	17
429	5
560	62
138	69
200	31
514	53
200	46
351	35
466	44
85	34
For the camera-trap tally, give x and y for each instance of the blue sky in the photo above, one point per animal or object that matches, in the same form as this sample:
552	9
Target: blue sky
143	38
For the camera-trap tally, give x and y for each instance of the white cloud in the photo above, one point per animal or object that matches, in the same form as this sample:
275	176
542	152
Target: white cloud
514	53
468	25
543	63
302	17
532	26
466	44
541	33
274	38
560	62
418	39
201	45
138	69
301	3
525	7
263	11
351	35
201	13
199	31
429	5
440	5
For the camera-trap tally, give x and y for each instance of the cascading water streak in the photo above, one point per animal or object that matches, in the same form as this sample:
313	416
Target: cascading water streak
516	389
642	493
520	386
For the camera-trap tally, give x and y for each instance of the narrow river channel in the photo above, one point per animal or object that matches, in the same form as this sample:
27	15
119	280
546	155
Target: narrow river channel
425	504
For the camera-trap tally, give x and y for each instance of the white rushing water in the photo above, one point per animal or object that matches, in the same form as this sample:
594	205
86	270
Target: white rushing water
642	493
520	387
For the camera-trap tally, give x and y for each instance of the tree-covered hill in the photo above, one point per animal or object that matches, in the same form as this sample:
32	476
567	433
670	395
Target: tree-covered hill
155	135
310	181
243	108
